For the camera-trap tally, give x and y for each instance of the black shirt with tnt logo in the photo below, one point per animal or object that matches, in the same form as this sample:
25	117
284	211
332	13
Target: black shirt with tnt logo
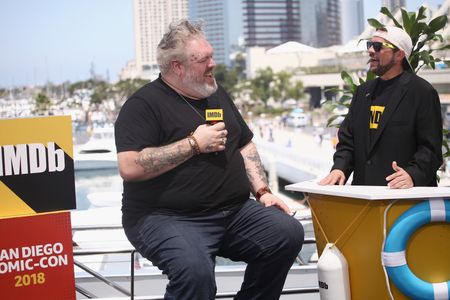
380	98
156	116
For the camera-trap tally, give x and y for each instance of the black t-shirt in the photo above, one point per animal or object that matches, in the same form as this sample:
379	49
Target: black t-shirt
380	98
156	116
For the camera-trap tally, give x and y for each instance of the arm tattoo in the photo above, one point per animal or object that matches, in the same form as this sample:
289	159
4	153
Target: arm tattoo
254	167
165	157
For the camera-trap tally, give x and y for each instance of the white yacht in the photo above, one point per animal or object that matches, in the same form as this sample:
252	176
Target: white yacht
98	153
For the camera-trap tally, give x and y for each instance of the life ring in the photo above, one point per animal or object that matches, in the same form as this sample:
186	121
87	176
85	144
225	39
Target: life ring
394	258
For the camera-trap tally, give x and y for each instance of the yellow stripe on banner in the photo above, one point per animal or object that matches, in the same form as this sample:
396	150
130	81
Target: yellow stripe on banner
11	205
42	130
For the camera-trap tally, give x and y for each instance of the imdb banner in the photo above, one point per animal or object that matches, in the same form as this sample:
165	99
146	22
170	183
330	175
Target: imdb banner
36	166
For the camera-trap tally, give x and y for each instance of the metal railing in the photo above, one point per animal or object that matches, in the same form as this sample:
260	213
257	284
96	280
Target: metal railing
130	294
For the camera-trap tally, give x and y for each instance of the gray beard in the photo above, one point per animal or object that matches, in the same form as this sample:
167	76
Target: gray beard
204	89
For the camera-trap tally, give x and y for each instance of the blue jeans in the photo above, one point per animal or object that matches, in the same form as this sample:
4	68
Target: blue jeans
185	247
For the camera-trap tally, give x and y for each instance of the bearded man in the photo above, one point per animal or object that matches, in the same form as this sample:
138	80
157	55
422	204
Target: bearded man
187	183
392	134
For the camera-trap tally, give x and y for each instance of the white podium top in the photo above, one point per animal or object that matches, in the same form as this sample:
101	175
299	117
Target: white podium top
369	192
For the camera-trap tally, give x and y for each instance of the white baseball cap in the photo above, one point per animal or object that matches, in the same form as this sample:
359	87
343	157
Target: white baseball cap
399	38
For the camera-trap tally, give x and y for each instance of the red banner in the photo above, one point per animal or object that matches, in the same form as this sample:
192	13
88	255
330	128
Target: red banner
36	258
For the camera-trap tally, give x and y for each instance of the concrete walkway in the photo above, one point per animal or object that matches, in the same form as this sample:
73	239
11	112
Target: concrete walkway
296	154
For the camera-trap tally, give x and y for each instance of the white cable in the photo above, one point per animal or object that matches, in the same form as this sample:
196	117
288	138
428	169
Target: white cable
382	247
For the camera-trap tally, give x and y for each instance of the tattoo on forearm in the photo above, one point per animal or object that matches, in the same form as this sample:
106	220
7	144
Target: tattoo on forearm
157	159
255	170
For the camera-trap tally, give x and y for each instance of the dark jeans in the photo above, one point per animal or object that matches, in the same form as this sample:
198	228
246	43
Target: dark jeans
185	247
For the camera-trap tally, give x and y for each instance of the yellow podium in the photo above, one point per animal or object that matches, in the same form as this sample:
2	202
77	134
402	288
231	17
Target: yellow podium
353	217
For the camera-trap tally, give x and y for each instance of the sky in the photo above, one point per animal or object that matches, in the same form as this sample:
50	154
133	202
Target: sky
59	40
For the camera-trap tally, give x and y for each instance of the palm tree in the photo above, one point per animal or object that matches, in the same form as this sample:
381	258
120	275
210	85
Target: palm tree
42	104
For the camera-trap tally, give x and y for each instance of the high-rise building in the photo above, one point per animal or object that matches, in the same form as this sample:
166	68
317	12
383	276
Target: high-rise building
269	23
333	34
309	22
215	15
352	13
393	4
151	18
320	22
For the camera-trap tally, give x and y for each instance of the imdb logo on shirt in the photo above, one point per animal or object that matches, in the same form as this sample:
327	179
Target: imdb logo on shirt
36	166
375	116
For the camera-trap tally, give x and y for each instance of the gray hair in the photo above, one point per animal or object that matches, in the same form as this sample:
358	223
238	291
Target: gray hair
174	40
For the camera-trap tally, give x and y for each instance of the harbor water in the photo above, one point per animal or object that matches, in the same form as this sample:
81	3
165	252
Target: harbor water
105	182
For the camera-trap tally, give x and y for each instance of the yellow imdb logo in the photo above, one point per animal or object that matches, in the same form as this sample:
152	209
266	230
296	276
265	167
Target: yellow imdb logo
214	115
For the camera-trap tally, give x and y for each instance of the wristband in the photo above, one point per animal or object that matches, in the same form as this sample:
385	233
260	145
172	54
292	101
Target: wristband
194	144
262	191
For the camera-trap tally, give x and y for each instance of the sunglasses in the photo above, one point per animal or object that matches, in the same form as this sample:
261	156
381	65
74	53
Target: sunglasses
378	45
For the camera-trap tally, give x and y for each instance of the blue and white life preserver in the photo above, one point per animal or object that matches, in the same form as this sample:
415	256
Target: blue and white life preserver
394	258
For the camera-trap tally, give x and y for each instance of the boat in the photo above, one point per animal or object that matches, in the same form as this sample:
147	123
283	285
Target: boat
104	199
99	152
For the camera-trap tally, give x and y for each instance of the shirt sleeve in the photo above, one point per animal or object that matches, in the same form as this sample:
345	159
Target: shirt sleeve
136	127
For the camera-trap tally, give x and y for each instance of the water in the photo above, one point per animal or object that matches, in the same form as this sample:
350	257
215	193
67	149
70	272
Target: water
109	180
94	181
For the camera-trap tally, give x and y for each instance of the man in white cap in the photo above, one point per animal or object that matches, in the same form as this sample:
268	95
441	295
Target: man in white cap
392	134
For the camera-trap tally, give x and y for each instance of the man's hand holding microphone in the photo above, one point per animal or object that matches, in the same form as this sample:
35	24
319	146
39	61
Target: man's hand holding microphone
212	136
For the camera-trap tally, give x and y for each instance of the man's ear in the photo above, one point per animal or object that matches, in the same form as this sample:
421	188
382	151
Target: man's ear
400	54
176	67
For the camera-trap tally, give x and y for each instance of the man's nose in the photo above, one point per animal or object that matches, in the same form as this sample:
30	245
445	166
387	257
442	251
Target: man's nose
212	63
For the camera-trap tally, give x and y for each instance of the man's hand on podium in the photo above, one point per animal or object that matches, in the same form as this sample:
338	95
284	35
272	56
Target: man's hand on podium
335	177
400	179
